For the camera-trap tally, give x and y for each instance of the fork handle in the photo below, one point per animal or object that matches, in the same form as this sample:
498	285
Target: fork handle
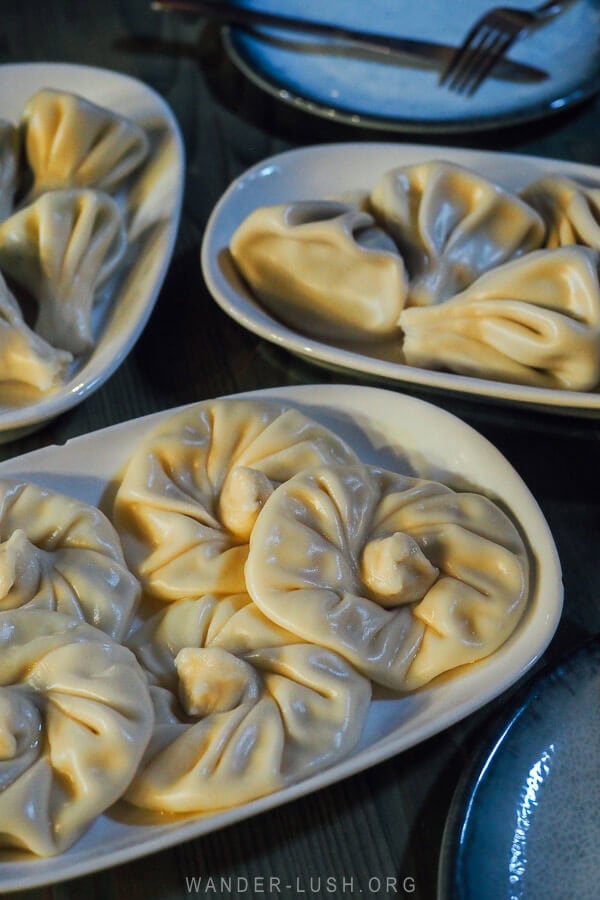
247	18
549	10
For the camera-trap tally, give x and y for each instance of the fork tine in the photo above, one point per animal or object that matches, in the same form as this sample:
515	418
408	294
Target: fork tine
466	57
488	40
496	52
471	61
459	54
484	52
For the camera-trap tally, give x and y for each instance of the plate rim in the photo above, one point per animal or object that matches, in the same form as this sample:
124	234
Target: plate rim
543	109
259	321
548	585
24	419
495	734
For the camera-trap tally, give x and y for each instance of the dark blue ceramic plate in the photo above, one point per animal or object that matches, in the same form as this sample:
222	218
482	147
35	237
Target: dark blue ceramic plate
525	820
322	77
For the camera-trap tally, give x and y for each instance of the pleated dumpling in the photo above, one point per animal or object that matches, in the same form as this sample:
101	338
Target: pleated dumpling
192	491
9	166
404	578
451	225
323	268
75	719
25	357
532	321
60	553
242	707
72	143
62	248
570	210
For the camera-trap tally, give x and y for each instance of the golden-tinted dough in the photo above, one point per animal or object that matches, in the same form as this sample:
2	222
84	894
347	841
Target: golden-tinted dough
75	719
570	210
60	553
72	143
24	356
192	490
533	321
322	268
404	578
62	248
242	707
451	225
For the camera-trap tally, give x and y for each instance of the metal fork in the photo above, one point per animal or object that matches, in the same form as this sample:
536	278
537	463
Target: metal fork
490	38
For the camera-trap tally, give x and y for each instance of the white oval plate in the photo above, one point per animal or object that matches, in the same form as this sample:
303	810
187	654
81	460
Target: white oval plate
127	301
325	171
385	428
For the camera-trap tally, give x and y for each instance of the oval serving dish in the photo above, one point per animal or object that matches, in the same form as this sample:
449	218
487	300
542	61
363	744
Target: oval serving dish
126	301
386	429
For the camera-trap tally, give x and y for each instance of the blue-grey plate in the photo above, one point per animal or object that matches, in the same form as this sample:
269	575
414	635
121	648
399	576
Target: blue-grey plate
323	77
525	820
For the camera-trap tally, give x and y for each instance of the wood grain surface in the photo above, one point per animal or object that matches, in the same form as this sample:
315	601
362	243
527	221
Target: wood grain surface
388	821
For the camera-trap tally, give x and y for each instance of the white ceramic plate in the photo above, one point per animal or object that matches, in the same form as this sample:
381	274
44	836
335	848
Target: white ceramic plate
384	428
323	171
155	194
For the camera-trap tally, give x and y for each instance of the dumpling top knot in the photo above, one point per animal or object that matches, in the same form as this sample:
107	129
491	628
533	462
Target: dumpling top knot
396	571
212	680
243	495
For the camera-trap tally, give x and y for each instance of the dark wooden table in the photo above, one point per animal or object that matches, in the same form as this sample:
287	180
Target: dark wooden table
387	822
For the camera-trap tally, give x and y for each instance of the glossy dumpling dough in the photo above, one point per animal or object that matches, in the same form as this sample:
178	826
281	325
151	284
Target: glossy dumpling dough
323	268
9	166
242	707
404	578
60	553
451	225
193	489
532	321
570	210
24	356
75	719
70	142
62	248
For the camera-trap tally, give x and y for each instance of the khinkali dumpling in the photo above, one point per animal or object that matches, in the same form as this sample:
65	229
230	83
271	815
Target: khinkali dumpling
9	166
62	248
323	268
405	578
75	719
60	553
532	321
192	491
242	707
70	142
451	225
570	210
24	356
